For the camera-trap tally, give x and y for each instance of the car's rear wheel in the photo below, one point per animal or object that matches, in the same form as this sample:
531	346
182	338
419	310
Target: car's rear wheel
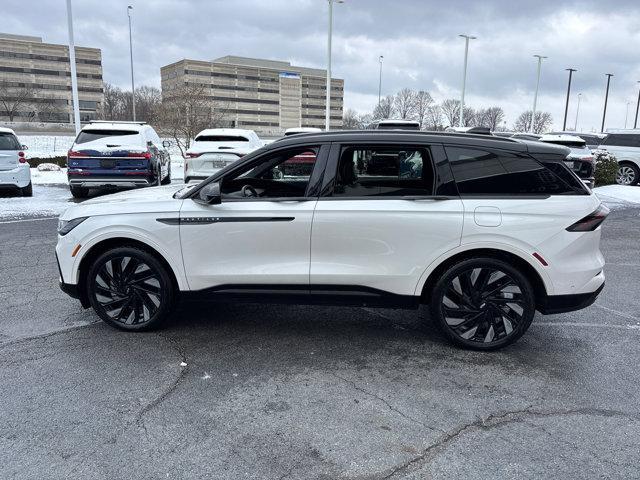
79	192
628	174
483	304
27	191
130	289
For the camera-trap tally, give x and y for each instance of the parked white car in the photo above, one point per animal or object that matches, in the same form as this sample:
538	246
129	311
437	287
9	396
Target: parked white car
14	169
625	146
580	160
215	148
484	230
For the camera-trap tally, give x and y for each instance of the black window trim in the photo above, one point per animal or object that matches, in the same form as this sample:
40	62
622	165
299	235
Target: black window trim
435	150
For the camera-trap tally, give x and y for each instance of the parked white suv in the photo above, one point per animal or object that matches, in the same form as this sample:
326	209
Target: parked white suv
484	229
215	148
14	169
625	146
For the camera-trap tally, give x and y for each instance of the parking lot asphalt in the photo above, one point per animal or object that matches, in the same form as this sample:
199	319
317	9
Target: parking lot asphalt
247	391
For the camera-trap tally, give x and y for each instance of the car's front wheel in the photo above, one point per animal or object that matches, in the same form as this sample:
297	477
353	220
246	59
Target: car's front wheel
628	174
483	303
130	289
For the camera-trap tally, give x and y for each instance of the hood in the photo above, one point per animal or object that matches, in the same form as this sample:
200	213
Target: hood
144	200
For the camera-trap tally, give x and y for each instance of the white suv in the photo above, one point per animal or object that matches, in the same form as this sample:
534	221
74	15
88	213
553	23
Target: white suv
486	230
14	169
625	146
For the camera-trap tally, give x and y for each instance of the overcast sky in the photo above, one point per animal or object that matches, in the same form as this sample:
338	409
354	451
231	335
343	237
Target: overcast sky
418	39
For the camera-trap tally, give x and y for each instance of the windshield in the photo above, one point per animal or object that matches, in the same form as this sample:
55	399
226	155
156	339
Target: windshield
117	137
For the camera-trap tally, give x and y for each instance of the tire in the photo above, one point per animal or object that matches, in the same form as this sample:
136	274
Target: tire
628	174
130	289
469	304
187	179
79	192
27	191
167	180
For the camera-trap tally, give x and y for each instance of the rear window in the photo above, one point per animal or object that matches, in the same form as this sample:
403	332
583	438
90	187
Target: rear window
221	138
8	141
622	140
86	136
484	172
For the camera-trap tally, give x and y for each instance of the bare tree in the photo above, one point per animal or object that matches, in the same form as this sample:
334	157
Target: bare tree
424	103
433	120
185	111
384	109
404	104
148	100
450	109
113	107
490	117
351	120
542	123
15	99
48	110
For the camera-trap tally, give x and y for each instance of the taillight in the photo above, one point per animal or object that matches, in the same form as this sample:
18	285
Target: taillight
73	153
21	157
193	155
588	159
146	155
591	221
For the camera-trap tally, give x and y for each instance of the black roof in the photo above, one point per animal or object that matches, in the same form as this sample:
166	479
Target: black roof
451	138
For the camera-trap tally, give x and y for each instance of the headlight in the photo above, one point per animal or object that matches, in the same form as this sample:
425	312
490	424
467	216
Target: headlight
65	226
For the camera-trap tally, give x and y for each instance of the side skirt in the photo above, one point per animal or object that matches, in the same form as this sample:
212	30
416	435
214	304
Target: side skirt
334	295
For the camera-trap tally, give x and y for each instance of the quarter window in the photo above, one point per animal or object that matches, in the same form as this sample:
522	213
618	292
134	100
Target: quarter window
480	172
384	171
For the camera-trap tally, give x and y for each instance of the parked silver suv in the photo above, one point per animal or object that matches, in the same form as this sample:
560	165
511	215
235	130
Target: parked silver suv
625	146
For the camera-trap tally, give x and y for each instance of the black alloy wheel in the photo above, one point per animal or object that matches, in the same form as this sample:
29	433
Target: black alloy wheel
483	304
130	289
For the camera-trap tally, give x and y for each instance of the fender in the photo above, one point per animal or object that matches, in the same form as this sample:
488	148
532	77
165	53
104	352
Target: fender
507	247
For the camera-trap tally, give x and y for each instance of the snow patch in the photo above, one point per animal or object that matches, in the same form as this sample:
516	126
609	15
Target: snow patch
47	201
48	167
619	195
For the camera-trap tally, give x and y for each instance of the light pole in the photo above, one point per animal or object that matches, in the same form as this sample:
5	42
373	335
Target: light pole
380	80
575	127
464	74
535	96
74	76
606	99
566	107
328	105
626	115
133	88
635	122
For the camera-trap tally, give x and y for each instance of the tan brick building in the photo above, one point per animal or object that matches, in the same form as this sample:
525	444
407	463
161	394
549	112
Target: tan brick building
28	61
264	95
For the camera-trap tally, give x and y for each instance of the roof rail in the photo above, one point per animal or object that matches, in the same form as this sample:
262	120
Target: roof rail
118	121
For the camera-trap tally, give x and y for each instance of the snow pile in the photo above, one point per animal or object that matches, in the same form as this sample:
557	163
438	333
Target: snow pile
618	194
57	177
48	167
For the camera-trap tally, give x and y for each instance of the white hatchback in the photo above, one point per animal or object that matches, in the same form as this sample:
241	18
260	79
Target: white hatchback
14	169
215	148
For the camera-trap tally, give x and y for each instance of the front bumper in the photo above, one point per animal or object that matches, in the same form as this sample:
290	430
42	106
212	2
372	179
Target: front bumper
18	177
567	303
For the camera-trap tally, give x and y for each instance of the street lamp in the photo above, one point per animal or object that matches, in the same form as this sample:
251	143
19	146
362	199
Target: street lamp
535	96
566	107
606	99
575	127
74	76
133	88
327	107
635	123
464	74
380	80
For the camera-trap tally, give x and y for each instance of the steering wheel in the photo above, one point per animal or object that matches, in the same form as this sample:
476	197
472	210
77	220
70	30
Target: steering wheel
248	191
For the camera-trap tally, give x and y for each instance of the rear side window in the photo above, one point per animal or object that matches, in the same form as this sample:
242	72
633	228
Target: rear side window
93	135
484	172
9	141
221	138
622	140
384	171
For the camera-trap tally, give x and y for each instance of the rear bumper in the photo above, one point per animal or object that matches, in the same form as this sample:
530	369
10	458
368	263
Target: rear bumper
567	303
18	177
106	182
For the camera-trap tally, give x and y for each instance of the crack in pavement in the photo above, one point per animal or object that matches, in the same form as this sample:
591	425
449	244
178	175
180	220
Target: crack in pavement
389	405
44	336
498	420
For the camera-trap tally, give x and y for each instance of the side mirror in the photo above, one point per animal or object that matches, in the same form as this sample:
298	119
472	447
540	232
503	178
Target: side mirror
166	143
211	194
24	147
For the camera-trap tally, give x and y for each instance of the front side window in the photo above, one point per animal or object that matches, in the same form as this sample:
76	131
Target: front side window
371	171
282	174
483	172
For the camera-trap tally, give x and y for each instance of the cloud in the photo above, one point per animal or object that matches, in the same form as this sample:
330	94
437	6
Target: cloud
418	39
